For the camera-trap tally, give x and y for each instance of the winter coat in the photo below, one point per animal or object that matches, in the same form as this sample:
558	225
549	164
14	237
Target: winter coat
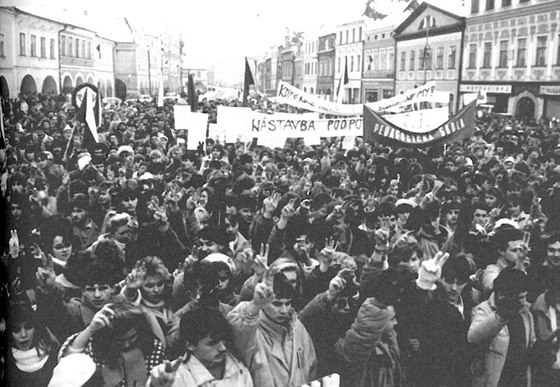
487	328
325	328
358	346
276	356
546	353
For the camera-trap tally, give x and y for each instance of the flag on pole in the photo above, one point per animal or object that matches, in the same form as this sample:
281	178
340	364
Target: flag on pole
98	107
249	80
191	94
86	114
160	91
342	82
2	133
69	150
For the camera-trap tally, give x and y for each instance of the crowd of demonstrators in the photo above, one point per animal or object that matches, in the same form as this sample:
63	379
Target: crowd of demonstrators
135	261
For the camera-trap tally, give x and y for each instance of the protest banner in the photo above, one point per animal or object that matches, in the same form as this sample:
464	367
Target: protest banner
195	124
379	130
293	96
217	133
419	121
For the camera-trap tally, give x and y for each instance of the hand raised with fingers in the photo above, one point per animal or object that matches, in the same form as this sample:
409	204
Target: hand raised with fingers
263	294
289	209
381	237
337	284
327	254
46	275
430	271
103	318
260	262
164	374
136	277
14	244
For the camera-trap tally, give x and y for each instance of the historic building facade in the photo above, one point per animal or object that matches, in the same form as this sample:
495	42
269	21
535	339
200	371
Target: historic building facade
349	52
379	62
326	66
512	54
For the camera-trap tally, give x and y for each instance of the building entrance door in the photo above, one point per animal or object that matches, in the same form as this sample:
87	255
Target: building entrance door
525	108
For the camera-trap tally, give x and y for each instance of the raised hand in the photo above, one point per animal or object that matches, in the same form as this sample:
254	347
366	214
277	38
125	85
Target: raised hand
263	294
337	284
430	271
260	262
271	202
327	254
289	209
136	277
45	275
164	374
103	318
14	244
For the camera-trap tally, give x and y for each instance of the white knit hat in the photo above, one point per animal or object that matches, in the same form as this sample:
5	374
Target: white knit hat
73	370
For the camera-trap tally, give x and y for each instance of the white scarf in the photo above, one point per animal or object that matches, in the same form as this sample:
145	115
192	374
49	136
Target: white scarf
29	360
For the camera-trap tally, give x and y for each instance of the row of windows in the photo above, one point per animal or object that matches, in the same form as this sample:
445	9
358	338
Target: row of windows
310	47
33	46
377	36
326	68
380	60
75	47
490	4
310	68
353	65
350	35
504	57
425	59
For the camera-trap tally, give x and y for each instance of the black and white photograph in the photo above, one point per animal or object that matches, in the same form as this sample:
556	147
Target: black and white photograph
305	193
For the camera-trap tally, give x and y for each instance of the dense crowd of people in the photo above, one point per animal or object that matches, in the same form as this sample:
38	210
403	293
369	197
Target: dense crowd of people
135	261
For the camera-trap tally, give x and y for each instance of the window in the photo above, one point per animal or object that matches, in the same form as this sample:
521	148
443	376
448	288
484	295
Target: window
43	47
489	5
487	58
403	60
359	63
440	58
77	55
472	55
506	3
70	46
2	45
425	59
421	60
353	34
452	56
352	63
22	48
33	46
503	61
89	49
63	45
52	49
340	38
558	52
412	60
521	52
541	51
475	6
360	34
391	55
338	65
375	65
382	60
347	36
83	49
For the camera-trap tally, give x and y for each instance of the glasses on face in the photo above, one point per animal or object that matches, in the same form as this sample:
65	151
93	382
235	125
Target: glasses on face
63	245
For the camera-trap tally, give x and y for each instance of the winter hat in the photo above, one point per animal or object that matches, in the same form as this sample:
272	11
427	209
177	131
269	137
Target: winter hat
218	257
73	370
84	159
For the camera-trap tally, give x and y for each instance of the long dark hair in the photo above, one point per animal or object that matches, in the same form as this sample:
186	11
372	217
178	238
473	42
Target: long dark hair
21	315
127	317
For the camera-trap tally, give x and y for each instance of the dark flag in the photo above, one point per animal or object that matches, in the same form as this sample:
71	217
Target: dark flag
2	132
412	6
249	80
191	94
343	81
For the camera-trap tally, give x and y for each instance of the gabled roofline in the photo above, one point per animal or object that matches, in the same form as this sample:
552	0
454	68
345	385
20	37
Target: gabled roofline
421	8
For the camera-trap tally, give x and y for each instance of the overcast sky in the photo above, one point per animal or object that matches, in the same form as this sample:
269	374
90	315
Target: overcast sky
222	32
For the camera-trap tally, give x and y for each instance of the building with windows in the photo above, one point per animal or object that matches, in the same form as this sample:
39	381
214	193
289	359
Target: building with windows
29	53
290	60
349	51
76	57
310	64
326	65
379	61
512	54
428	48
